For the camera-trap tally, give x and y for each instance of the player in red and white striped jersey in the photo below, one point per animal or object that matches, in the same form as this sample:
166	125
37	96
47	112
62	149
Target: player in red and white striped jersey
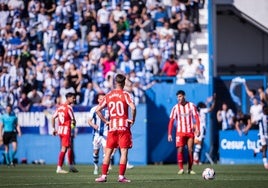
66	122
118	102
187	118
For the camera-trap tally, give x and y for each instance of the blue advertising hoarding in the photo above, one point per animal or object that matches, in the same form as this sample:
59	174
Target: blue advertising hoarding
235	149
39	122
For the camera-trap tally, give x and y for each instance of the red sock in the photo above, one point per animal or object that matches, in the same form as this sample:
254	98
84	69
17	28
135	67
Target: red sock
190	160
70	156
122	169
180	160
61	158
105	169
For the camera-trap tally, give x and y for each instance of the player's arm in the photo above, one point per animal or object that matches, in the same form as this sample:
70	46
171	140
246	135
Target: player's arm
170	127
73	120
197	127
18	128
133	113
197	122
98	112
92	124
212	106
54	131
172	118
219	118
248	126
237	128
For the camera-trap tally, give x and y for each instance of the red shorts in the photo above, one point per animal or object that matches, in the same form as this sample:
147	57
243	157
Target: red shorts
121	139
182	138
65	140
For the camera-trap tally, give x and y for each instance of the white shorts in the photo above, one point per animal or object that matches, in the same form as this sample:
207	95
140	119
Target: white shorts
99	141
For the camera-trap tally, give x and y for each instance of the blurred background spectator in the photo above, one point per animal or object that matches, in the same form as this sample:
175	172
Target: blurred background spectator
57	46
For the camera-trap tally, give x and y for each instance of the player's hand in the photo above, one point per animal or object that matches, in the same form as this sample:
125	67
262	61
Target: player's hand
54	132
95	127
170	138
130	122
73	125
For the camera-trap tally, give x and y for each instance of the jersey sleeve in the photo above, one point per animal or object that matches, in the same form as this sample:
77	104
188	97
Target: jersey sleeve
103	103
173	113
128	97
55	114
70	112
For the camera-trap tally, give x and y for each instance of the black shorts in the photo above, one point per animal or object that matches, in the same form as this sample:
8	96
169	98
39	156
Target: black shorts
9	137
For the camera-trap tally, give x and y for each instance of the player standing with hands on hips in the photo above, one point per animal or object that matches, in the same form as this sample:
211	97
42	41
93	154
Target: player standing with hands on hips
184	113
100	131
66	122
119	135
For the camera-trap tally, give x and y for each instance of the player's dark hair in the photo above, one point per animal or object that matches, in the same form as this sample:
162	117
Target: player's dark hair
97	97
70	94
201	105
180	92
120	79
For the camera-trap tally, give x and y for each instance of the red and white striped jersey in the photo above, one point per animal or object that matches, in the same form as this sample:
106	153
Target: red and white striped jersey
65	115
184	116
117	101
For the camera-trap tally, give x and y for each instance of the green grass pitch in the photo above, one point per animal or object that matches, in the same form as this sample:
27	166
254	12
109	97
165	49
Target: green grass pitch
151	176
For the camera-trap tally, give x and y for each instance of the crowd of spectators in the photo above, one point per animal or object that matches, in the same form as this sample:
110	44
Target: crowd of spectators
51	47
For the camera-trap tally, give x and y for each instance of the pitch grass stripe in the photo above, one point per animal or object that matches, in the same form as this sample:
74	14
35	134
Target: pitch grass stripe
157	176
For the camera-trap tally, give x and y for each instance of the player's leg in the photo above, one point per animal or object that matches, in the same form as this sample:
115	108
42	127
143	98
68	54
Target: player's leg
180	159
95	155
6	141
180	145
61	160
96	161
190	145
197	150
112	140
129	166
71	156
198	145
65	143
71	160
13	152
7	159
112	158
105	165
125	142
123	165
264	156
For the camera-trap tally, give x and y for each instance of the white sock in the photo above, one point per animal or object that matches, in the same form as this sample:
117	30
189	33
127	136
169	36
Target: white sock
264	160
